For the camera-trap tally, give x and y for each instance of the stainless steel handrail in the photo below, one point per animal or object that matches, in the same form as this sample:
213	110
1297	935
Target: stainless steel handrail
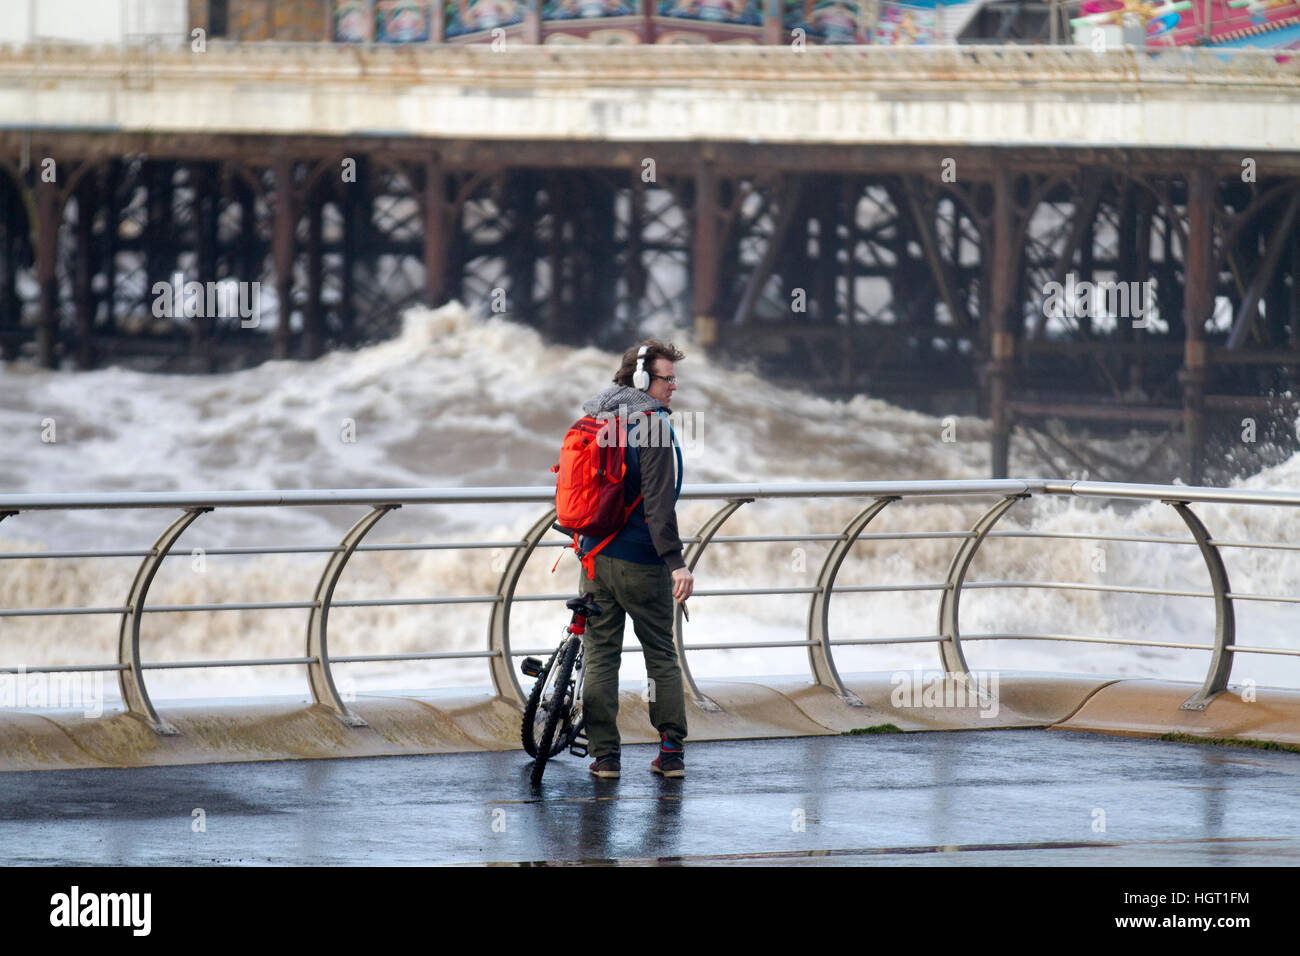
499	653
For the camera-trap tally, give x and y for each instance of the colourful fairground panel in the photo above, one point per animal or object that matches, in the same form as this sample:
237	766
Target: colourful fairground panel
1269	24
473	16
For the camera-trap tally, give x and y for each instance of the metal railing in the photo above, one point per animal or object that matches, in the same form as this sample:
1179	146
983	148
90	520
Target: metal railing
499	652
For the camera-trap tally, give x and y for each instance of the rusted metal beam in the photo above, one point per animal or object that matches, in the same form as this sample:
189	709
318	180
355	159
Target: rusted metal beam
977	163
1249	310
83	270
1088	268
1251	403
159	238
1100	347
205	212
48	207
10	328
923	214
705	252
1126	263
598	247
850	194
634	268
1141	237
1218	355
313	326
1198	305
282	251
1001	346
112	182
556	316
251	260
1081	411
1085	210
351	214
1293	300
1275	299
828	214
790	194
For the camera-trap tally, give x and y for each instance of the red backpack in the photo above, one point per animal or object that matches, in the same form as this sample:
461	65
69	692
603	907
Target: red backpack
589	490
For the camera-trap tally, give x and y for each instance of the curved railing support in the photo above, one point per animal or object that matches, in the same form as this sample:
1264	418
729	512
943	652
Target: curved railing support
131	677
950	653
692	558
501	664
319	677
819	653
1225	622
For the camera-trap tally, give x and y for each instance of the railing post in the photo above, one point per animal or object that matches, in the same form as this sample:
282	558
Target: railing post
131	676
950	653
819	654
692	558
1225	623
503	673
319	677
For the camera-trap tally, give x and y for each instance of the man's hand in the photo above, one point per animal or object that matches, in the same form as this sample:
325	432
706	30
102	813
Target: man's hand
683	585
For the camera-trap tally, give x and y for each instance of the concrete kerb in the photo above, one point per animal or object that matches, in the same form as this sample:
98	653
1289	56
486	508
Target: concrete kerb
1153	708
458	721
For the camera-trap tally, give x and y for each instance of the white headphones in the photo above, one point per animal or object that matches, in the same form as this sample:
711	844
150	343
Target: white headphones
641	378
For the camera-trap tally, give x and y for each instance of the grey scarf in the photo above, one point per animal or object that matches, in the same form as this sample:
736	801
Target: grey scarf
617	397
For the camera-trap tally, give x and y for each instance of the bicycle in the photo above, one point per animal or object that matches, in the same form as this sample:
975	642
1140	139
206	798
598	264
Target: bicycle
553	716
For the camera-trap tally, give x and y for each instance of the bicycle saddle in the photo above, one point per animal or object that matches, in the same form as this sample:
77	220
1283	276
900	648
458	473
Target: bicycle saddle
584	606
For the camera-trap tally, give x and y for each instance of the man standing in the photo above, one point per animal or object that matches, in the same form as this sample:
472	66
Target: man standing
641	571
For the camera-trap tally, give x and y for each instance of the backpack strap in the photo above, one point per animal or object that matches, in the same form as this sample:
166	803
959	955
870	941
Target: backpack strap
677	493
634	451
588	558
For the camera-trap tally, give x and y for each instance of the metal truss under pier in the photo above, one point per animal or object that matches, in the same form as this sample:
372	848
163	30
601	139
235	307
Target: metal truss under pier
939	274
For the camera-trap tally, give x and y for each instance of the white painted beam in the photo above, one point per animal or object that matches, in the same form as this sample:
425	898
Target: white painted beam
995	96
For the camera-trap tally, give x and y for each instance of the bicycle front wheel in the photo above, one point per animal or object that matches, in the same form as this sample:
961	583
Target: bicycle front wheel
535	715
558	709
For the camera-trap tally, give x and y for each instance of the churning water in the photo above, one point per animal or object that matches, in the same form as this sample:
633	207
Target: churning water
461	401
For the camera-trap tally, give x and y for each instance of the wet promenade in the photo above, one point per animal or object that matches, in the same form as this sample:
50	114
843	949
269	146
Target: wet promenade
1006	797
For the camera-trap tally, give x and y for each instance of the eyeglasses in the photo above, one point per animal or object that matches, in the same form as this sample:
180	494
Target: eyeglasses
670	379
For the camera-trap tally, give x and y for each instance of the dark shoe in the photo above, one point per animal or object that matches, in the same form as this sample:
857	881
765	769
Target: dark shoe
606	767
670	762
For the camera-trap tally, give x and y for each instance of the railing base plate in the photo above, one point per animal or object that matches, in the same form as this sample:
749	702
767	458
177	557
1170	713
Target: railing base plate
159	726
1198	702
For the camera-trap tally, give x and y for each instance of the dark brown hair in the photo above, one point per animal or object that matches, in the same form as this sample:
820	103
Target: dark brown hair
654	350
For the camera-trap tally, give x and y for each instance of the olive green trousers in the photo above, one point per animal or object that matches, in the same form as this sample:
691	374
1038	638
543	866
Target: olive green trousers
644	591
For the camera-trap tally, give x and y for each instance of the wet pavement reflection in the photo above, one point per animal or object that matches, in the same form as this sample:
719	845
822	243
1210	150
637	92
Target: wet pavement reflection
1018	797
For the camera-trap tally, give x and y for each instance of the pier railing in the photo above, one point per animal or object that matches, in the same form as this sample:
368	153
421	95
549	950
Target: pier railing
500	653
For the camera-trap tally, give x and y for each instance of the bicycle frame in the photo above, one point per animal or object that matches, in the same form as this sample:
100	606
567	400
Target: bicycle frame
542	743
576	683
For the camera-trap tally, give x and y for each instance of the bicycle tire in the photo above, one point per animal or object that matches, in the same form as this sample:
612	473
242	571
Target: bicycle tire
530	709
558	713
